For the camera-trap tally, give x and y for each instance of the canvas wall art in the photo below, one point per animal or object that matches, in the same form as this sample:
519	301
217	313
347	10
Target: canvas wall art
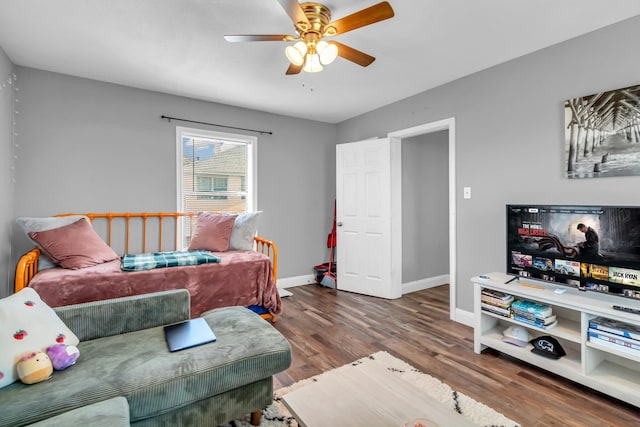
602	134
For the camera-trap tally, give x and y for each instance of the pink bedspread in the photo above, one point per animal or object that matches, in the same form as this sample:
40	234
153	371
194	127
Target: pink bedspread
242	278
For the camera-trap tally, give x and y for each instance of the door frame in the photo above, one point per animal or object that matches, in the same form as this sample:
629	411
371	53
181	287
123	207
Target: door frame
396	199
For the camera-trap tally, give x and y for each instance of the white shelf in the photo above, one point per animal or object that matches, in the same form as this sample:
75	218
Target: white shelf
612	350
568	363
615	380
603	368
566	329
618	375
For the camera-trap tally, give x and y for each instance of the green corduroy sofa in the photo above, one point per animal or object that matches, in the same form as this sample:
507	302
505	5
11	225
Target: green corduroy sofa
123	353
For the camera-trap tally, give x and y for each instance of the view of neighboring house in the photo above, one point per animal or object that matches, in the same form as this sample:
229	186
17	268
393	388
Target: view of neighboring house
214	177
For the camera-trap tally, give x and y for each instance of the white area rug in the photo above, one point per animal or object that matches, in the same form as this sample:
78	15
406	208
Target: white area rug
277	414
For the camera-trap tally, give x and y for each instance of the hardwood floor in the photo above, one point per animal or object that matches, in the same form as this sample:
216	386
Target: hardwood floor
329	328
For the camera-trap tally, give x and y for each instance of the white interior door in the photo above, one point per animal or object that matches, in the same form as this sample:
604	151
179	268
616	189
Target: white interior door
363	201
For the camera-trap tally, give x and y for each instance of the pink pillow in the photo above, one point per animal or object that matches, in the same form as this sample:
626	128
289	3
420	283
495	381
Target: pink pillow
213	232
74	246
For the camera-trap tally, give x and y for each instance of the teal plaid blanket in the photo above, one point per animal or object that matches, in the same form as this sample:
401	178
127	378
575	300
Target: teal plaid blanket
151	260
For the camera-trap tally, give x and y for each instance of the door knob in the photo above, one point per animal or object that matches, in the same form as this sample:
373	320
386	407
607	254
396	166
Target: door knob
339	224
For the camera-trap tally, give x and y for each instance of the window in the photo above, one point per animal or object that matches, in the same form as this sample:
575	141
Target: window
215	173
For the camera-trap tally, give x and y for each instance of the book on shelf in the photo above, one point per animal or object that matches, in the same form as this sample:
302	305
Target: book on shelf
497	300
537	309
497	295
615	327
497	310
536	323
613	346
627	342
534	318
496	303
614	343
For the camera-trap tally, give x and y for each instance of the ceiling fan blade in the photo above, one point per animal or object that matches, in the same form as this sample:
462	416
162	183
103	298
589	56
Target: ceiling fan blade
353	55
259	38
295	12
376	13
293	69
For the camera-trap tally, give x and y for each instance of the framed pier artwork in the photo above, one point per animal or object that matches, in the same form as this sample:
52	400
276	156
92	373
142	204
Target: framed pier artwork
602	134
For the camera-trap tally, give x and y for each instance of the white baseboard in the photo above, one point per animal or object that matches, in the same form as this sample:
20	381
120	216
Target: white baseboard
419	285
290	282
464	317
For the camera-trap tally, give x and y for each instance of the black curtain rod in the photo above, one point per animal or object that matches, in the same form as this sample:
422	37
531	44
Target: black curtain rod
169	118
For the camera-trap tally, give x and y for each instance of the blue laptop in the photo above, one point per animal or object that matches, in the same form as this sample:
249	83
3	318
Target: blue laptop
187	334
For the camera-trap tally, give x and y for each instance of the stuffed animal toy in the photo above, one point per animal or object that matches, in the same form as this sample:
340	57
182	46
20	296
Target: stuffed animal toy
34	367
62	356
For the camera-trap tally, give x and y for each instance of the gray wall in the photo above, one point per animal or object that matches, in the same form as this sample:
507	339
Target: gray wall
6	179
83	143
510	137
425	206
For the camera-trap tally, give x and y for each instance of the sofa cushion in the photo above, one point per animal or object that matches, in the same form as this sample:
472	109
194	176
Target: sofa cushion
138	366
108	413
27	324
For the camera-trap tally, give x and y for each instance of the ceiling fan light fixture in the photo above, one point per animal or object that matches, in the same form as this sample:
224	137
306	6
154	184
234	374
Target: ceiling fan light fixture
295	54
312	21
312	65
327	51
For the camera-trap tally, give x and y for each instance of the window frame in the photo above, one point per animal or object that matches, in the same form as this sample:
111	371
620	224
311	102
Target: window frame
251	201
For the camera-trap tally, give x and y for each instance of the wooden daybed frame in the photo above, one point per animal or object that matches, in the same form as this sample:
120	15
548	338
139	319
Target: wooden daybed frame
27	266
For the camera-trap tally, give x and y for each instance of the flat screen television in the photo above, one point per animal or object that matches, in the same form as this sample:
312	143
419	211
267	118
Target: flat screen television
593	248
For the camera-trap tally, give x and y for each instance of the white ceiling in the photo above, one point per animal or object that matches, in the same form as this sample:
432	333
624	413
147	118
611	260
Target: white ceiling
177	46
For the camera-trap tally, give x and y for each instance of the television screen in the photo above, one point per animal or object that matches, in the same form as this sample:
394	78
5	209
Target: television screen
595	248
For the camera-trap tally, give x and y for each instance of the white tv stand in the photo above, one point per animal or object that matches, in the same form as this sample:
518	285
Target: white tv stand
608	370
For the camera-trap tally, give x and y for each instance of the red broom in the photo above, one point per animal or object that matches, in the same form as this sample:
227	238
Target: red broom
329	279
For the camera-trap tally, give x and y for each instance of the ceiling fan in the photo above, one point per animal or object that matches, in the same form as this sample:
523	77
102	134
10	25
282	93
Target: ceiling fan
312	22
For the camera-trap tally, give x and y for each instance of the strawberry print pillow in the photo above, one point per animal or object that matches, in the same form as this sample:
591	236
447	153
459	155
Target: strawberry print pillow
27	324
